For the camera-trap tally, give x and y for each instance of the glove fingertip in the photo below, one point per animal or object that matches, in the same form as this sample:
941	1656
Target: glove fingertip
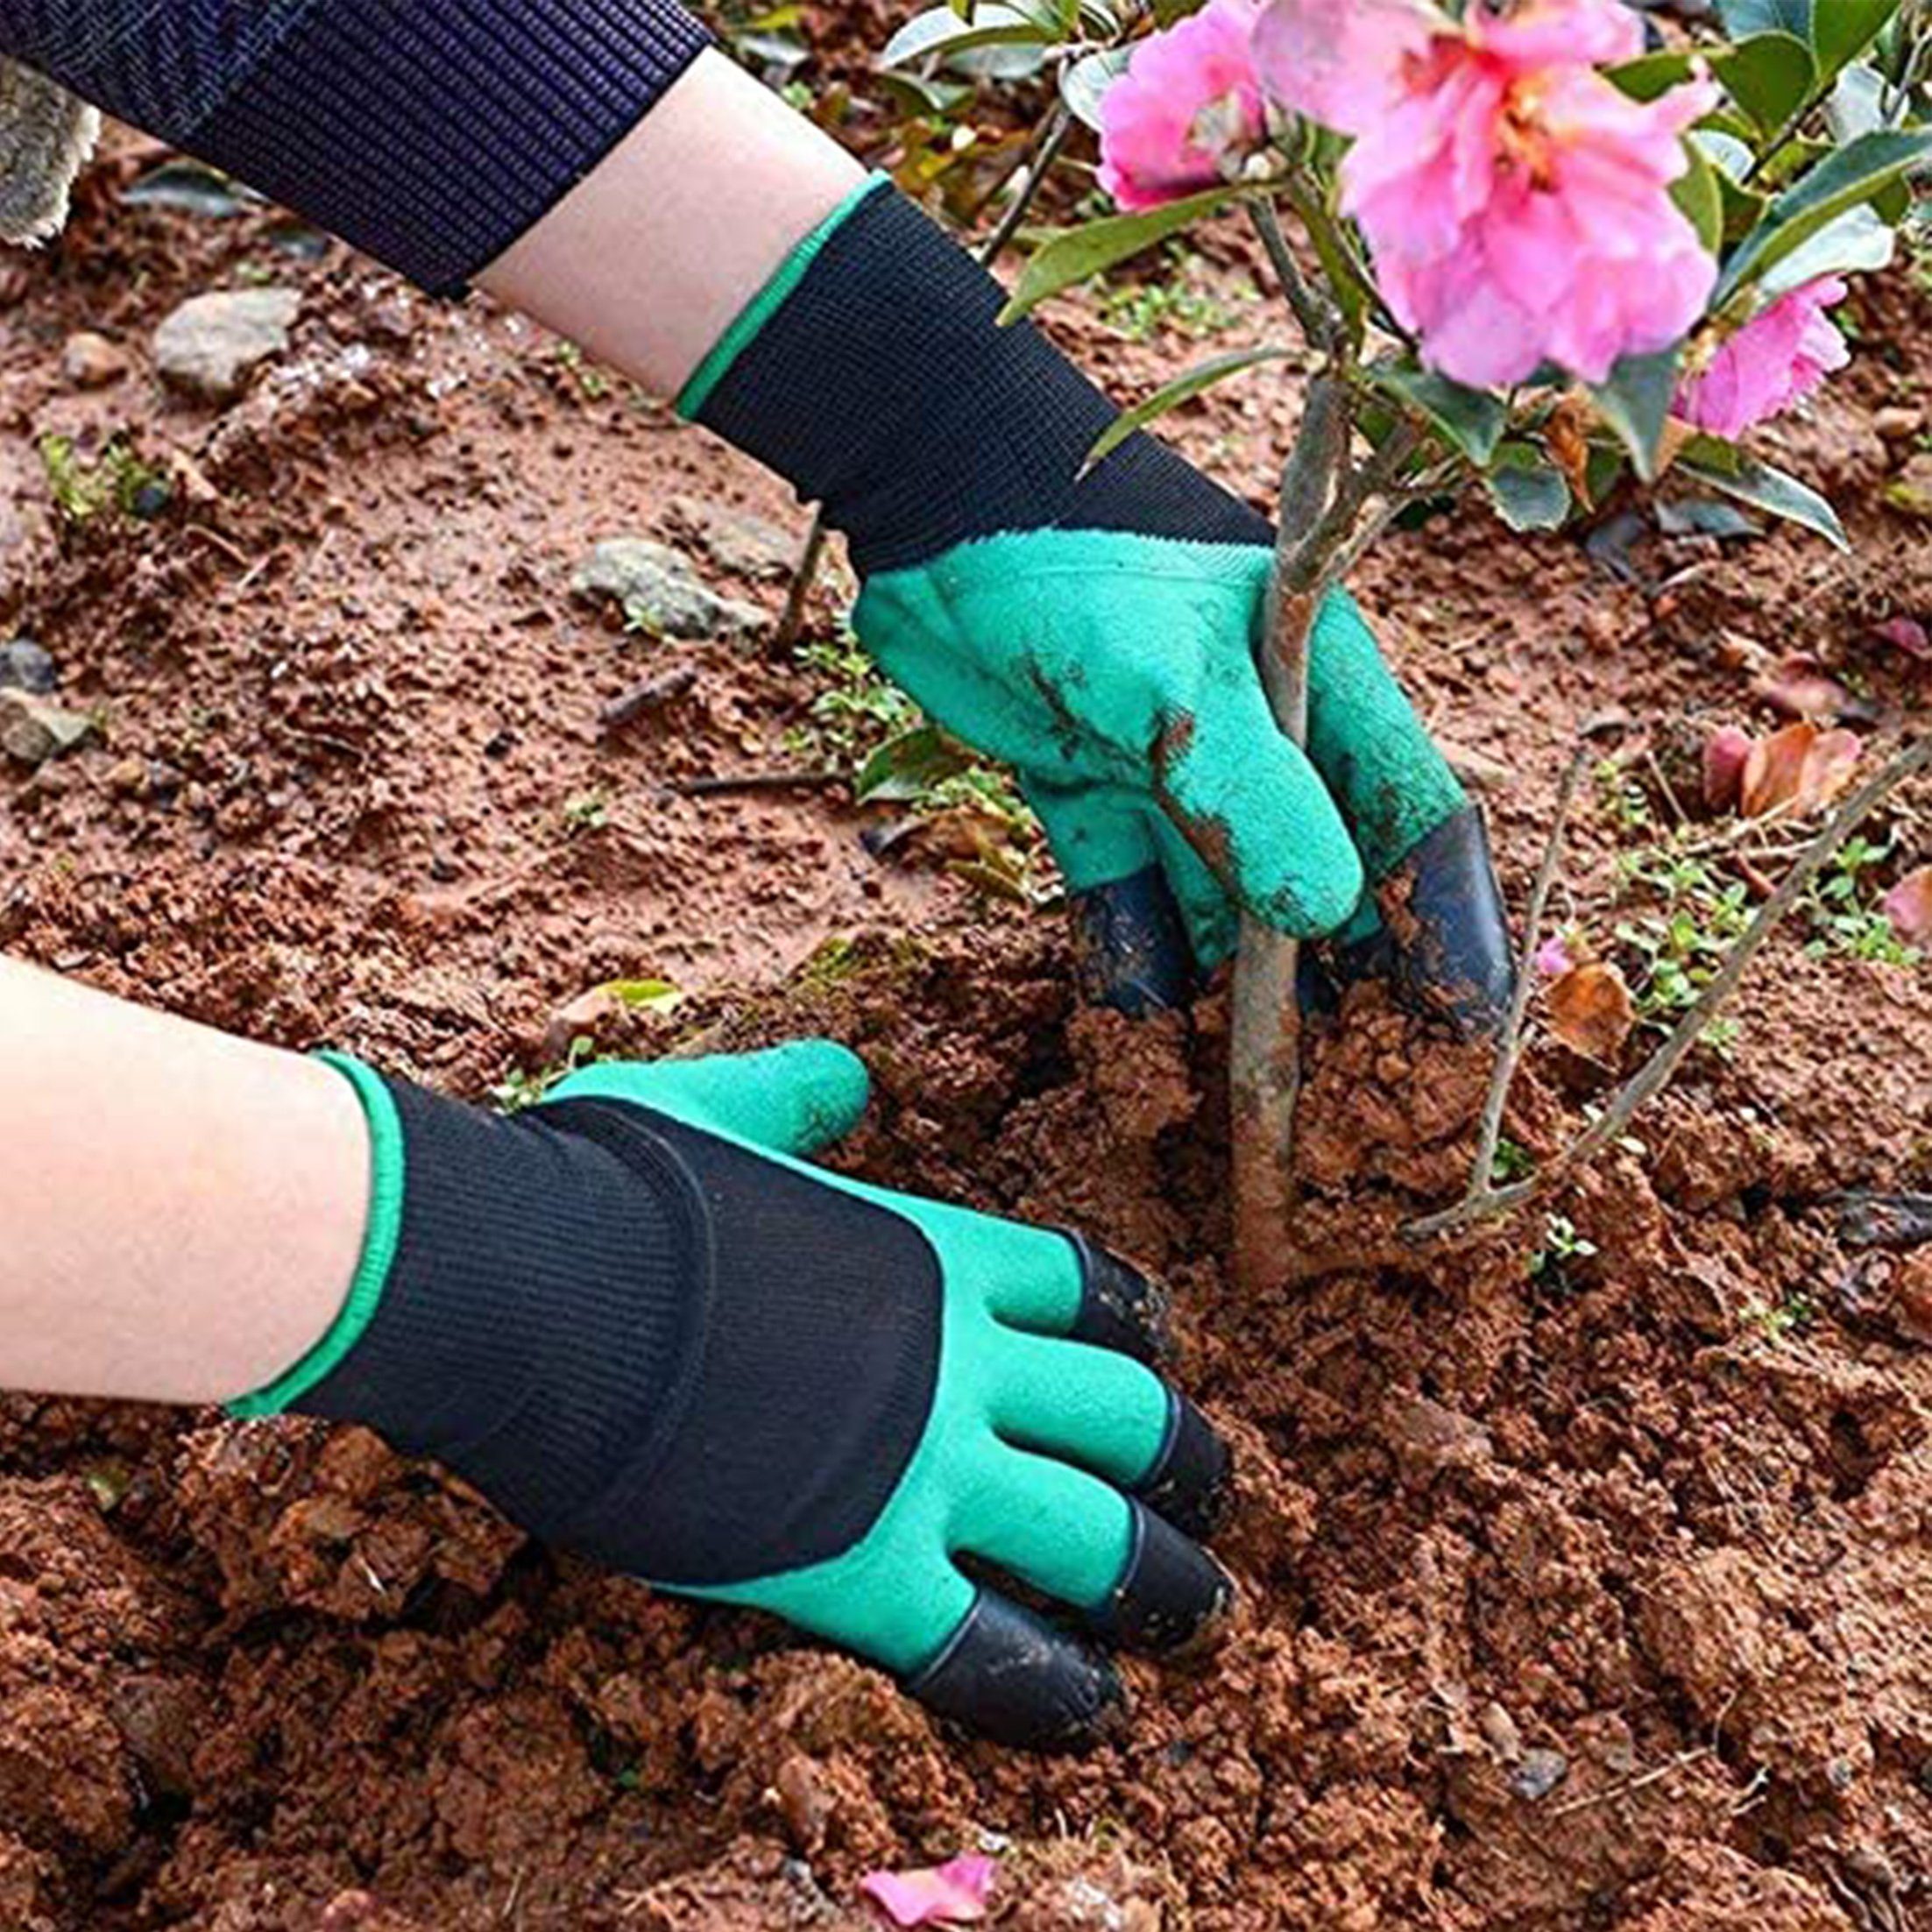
832	1087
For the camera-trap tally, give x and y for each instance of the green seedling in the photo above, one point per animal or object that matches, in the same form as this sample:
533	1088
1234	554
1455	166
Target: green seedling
1563	1246
1846	917
587	811
115	481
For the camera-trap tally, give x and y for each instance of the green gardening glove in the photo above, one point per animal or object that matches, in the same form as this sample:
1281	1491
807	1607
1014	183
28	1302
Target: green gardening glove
642	1324
1094	630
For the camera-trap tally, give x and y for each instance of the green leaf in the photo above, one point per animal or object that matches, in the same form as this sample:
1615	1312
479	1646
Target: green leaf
1859	243
644	995
1474	422
1700	195
1855	173
1184	388
1730	470
1857	105
1077	254
1085	81
1635	401
1742	17
940	30
1650	75
1529	494
906	768
1842	30
1769	76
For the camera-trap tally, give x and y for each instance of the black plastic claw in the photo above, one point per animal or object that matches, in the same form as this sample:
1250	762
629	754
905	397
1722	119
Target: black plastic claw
1449	953
1120	1309
1169	1594
1011	1676
1132	947
1191	1482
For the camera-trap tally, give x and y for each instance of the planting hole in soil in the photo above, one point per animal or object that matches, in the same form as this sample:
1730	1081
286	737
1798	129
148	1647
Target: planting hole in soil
1549	1243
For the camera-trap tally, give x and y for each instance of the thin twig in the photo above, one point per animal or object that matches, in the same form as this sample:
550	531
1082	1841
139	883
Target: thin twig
666	688
1320	321
1060	129
726	784
1682	1761
1656	1073
1509	1051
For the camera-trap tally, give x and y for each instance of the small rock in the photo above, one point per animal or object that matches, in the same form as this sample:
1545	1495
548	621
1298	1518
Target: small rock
735	540
25	667
1899	423
129	778
33	731
803	1801
1539	1773
660	593
211	344
92	362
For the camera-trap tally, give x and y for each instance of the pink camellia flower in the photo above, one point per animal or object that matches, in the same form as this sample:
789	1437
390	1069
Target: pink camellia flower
1777	358
1517	203
1187	112
1554	957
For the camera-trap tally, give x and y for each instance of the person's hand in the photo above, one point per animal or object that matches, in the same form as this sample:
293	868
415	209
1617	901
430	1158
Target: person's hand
640	1323
1095	628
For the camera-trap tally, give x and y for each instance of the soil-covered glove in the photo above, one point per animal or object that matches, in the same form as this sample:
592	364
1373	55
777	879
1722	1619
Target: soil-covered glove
649	1331
1096	630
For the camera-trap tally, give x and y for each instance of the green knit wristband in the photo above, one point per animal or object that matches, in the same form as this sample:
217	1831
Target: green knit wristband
387	1174
769	300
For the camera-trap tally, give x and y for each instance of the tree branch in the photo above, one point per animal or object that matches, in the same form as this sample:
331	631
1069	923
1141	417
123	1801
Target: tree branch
1657	1072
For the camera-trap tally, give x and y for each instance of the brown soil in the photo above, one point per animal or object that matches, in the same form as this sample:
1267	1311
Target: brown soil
1592	1600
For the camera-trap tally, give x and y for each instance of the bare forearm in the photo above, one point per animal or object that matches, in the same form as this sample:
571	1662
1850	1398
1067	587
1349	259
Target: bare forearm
649	261
183	1211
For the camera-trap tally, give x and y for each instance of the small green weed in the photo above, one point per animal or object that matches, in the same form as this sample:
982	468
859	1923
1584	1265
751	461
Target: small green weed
115	480
587	811
1172	303
854	712
1846	917
1683	946
1562	1247
518	1091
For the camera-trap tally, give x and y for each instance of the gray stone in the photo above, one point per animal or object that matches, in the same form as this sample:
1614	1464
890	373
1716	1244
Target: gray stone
212	344
25	667
1539	1774
735	540
33	731
660	593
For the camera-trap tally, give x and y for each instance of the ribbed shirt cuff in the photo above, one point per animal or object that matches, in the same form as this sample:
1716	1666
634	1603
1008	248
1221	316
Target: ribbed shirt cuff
433	134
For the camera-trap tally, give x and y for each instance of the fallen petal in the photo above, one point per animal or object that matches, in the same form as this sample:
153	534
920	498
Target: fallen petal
953	1893
1775	770
1800	687
1592	1012
1552	957
1828	769
1909	906
1726	753
1907	634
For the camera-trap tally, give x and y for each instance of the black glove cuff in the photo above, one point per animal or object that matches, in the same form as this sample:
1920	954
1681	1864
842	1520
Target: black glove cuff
645	1342
884	387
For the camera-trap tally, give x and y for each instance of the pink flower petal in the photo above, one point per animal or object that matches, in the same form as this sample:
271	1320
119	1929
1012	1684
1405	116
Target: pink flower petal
1779	357
953	1893
1909	906
1552	957
1516	203
1727	751
1188	109
1907	634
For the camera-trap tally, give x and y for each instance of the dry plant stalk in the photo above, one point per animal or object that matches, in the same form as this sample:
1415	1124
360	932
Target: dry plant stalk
1483	1202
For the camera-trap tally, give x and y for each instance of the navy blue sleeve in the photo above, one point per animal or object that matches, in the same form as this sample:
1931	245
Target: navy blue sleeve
430	133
